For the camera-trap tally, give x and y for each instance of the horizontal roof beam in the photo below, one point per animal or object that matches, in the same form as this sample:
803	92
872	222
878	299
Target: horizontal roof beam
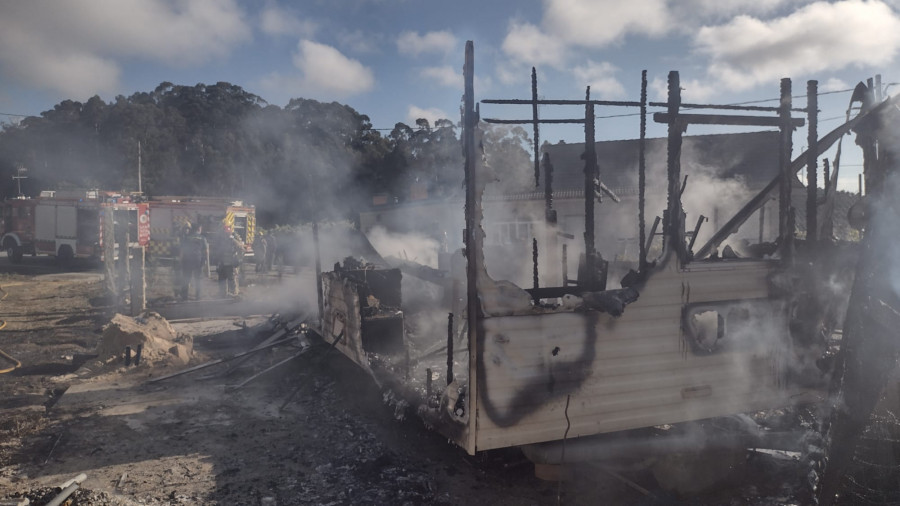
523	101
728	107
725	119
531	121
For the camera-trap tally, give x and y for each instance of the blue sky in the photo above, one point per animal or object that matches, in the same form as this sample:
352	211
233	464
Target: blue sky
397	60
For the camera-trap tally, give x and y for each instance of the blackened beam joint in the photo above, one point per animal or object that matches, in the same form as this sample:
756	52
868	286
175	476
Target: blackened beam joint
724	119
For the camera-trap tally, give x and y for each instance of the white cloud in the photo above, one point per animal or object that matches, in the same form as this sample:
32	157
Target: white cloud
75	48
413	44
706	9
359	42
821	36
275	20
601	78
444	76
525	42
431	114
692	90
834	84
596	23
325	73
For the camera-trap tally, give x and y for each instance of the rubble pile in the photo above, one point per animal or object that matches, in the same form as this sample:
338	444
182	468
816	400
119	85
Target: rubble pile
158	341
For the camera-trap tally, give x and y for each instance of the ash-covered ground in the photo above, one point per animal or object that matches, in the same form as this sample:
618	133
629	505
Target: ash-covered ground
315	430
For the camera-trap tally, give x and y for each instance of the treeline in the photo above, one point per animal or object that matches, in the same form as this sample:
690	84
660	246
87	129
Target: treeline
306	160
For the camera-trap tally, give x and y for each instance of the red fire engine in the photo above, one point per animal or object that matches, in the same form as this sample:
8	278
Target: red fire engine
66	224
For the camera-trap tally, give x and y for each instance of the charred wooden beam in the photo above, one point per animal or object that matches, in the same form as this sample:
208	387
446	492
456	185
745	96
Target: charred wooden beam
642	178
652	232
728	107
473	229
785	224
530	121
537	135
449	348
587	101
812	170
726	119
549	214
590	171
674	227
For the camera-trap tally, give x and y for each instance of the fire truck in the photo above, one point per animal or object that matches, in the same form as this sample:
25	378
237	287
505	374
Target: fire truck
66	224
170	216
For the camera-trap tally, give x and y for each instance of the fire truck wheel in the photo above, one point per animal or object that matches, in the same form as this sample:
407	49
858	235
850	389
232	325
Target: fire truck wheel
65	255
14	253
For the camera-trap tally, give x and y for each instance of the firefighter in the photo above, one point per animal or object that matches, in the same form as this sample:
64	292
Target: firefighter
228	252
193	254
260	252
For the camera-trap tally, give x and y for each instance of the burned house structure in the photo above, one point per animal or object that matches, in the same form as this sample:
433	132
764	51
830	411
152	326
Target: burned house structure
567	361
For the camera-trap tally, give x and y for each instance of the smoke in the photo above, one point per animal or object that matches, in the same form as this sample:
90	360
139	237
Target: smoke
886	218
715	198
415	247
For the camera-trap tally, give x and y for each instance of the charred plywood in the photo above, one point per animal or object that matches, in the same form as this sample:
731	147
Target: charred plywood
362	312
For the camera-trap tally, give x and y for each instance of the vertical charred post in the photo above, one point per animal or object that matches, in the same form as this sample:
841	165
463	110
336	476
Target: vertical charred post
812	169
473	226
762	223
674	224
449	348
537	133
785	230
871	177
590	169
548	188
565	265
642	178
534	259
319	292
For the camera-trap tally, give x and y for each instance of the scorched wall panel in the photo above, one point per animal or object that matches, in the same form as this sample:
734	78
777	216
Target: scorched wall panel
633	371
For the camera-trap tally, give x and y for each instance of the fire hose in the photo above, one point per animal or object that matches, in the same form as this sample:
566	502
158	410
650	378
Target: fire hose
3	354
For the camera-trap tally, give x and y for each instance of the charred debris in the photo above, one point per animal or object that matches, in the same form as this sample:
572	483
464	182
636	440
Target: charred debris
696	325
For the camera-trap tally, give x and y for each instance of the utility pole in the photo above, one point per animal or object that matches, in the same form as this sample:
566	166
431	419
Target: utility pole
140	190
20	171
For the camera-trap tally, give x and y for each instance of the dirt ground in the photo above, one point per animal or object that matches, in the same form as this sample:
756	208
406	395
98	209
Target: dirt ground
312	431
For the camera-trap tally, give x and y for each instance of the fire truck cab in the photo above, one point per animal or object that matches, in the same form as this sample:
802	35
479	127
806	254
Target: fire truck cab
66	224
171	215
17	227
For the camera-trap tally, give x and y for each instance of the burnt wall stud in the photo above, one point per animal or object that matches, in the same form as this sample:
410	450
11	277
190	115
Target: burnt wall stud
785	232
674	226
537	132
450	348
590	169
812	170
642	179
